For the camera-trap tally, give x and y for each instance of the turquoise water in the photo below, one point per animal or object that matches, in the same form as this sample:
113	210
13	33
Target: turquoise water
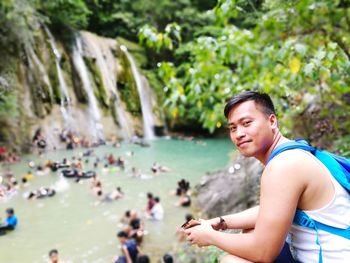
84	230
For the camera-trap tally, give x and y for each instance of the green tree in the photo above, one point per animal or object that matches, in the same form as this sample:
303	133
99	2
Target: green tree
72	13
295	50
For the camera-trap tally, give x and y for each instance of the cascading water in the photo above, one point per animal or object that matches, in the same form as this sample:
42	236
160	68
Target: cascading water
33	59
105	61
56	52
96	126
148	121
65	100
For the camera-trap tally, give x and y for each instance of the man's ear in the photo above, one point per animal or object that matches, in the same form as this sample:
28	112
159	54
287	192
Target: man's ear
273	121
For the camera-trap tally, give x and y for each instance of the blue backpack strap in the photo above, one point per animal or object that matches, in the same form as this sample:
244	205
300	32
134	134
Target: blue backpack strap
302	219
338	166
338	170
297	144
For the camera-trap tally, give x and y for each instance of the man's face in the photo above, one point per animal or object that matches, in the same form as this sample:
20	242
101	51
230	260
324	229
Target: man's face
121	240
54	257
251	130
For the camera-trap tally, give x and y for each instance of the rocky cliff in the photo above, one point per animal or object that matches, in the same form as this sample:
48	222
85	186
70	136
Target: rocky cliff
79	82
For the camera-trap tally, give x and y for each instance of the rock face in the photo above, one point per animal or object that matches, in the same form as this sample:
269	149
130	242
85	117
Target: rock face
230	190
83	85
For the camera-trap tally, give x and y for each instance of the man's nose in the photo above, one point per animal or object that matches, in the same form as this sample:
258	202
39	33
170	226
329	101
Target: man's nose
240	133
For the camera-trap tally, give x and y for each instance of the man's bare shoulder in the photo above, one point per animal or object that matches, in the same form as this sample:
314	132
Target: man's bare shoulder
294	159
291	164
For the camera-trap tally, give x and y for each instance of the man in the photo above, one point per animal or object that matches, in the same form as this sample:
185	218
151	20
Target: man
11	221
293	179
135	228
157	211
53	255
150	204
129	249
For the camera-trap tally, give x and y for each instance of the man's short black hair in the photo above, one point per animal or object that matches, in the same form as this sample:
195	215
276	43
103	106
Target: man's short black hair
168	258
10	211
188	217
143	259
122	234
261	99
53	251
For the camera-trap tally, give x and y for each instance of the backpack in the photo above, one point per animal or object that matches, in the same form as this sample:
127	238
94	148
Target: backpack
338	166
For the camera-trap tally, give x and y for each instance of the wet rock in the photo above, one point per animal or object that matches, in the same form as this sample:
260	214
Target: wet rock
231	190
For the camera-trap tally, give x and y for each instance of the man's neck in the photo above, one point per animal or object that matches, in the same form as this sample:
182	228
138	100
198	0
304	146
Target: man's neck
277	140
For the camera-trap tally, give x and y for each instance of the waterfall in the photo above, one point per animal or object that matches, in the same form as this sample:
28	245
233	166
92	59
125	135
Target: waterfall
32	57
65	100
106	63
148	121
56	52
94	112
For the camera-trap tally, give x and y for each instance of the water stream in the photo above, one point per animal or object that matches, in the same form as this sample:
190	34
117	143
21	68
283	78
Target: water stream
83	230
94	111
65	107
101	50
147	116
58	56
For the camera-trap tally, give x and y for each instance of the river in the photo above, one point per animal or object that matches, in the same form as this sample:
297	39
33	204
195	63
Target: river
84	230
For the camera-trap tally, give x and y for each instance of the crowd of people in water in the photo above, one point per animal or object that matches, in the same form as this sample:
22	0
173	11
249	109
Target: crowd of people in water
131	236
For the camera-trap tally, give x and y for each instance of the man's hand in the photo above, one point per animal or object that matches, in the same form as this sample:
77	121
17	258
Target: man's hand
201	234
215	223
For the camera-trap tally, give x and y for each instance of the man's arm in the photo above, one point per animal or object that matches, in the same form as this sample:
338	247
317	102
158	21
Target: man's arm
281	188
242	220
126	254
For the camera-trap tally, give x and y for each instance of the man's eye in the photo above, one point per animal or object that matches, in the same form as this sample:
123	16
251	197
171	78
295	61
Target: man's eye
232	129
246	123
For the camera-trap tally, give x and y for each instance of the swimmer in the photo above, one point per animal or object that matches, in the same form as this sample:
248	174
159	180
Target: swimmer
116	194
10	222
184	200
53	256
129	248
150	204
157	211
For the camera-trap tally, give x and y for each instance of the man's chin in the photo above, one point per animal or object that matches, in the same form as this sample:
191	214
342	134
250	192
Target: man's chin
245	153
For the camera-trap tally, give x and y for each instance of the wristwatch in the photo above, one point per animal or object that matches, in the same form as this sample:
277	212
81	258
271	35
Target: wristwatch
222	224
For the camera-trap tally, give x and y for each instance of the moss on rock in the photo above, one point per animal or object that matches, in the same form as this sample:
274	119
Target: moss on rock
98	87
127	87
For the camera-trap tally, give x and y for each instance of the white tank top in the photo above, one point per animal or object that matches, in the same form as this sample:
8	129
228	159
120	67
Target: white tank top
335	249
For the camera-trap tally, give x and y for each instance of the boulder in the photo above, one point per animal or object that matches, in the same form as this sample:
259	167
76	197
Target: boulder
231	190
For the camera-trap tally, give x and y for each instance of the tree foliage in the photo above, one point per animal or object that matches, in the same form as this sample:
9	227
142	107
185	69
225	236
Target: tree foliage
124	18
206	51
298	51
72	13
18	20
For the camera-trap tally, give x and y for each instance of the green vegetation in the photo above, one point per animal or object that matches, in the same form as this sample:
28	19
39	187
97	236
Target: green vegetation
197	53
64	12
98	87
297	51
127	87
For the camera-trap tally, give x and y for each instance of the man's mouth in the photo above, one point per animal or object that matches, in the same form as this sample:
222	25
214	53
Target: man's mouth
243	143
